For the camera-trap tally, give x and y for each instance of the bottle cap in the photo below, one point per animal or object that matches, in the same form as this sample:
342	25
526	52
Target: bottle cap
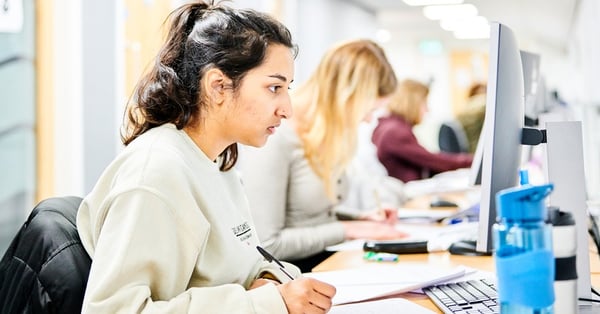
524	202
523	177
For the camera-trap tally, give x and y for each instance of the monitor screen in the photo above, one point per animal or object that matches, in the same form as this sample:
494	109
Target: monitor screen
475	171
531	77
504	119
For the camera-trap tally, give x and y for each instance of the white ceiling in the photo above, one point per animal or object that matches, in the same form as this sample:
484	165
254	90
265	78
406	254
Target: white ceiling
544	23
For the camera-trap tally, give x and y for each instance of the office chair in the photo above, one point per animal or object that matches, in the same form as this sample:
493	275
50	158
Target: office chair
452	138
46	268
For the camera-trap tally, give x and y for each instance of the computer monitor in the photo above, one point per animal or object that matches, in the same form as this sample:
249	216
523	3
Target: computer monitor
531	77
542	100
530	63
504	119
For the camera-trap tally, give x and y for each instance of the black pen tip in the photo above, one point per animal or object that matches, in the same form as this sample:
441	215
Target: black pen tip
265	254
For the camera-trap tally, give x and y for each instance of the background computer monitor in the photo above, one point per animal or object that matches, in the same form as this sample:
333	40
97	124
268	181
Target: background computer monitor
476	164
531	77
504	119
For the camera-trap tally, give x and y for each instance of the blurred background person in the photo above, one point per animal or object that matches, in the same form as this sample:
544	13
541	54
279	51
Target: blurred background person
296	183
370	184
472	114
397	146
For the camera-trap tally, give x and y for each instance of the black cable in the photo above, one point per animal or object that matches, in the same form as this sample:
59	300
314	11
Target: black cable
589	300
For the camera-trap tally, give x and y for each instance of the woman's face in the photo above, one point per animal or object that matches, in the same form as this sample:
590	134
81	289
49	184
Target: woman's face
262	99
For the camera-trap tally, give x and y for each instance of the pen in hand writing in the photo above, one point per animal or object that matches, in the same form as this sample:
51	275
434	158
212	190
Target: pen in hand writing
270	258
377	200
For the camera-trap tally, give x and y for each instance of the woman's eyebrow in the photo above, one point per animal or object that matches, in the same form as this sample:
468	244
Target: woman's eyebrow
280	77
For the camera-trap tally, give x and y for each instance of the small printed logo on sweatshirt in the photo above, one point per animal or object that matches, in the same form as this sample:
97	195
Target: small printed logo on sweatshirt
243	231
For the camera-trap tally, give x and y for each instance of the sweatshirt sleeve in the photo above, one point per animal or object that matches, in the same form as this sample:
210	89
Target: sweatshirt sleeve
143	260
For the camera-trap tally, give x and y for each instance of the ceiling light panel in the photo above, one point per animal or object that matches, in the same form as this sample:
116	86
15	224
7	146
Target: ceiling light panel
431	2
438	12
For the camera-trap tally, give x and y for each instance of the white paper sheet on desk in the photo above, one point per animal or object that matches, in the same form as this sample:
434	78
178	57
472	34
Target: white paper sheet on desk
449	181
385	306
425	214
366	283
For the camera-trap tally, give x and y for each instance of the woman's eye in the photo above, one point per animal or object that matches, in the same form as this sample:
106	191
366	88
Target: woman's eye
274	89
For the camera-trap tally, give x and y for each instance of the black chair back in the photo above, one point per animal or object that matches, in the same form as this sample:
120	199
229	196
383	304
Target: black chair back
45	268
452	138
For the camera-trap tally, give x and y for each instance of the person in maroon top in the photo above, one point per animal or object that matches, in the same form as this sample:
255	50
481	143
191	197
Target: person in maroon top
397	146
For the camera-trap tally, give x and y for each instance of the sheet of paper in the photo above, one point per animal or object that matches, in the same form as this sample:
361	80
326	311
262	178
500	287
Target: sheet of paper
385	306
451	181
369	282
426	214
470	274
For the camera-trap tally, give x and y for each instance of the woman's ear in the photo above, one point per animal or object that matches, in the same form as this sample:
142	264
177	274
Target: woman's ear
214	84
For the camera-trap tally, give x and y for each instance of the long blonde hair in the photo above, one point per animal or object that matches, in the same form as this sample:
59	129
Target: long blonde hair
334	100
408	100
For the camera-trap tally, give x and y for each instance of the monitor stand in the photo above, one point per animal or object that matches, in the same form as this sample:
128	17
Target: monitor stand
466	247
564	151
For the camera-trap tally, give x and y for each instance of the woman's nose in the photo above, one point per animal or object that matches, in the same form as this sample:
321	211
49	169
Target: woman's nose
285	109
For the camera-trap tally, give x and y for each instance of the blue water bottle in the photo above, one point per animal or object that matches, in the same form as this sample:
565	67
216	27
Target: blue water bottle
523	251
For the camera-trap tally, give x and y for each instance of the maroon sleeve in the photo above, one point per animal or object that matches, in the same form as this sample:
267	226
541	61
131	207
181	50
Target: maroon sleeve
395	141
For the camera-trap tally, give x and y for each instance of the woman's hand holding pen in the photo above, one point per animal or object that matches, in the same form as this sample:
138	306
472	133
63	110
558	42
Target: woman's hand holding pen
301	295
363	229
381	213
385	215
307	295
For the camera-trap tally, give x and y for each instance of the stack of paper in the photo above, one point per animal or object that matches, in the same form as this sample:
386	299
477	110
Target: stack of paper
370	282
391	306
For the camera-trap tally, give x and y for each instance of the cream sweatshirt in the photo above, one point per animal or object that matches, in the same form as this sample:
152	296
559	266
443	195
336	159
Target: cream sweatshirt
169	233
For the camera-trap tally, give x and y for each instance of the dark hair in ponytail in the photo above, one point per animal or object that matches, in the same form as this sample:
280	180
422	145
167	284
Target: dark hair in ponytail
201	36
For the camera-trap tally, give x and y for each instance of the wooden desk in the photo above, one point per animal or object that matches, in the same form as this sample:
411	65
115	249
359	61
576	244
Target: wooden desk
351	259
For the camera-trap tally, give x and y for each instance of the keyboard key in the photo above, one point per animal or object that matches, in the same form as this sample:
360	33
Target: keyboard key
466	297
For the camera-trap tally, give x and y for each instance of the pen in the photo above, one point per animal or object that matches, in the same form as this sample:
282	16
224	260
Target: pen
270	258
377	200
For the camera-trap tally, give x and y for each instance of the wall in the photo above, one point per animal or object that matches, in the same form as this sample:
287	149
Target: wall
584	92
65	115
17	116
102	85
315	24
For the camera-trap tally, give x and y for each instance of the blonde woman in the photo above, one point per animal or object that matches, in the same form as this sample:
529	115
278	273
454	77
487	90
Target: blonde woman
295	184
398	148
